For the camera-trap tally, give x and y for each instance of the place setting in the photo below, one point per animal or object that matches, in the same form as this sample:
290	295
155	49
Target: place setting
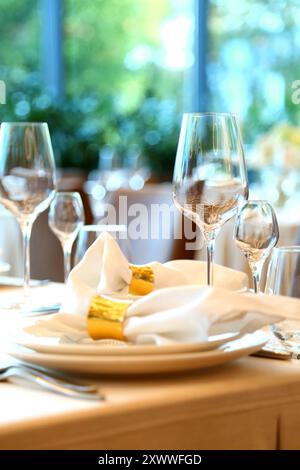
121	331
118	318
149	230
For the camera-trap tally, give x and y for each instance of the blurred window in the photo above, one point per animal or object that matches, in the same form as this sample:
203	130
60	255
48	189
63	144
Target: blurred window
253	59
151	58
128	48
20	52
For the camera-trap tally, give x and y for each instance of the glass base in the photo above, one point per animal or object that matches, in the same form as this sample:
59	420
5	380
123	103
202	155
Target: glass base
289	329
28	307
15	301
287	334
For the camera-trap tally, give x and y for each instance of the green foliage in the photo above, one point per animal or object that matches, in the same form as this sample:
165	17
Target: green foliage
99	37
80	127
107	102
134	103
20	35
254	55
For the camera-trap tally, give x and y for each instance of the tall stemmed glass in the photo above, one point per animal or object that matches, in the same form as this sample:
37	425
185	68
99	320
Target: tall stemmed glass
66	217
283	278
256	233
210	178
27	179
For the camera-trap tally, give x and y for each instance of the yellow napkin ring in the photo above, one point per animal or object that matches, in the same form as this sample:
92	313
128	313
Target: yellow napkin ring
106	317
142	281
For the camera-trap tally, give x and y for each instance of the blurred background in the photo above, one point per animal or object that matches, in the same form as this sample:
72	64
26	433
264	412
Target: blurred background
113	77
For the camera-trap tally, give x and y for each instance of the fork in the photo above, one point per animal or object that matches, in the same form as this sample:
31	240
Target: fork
55	383
53	376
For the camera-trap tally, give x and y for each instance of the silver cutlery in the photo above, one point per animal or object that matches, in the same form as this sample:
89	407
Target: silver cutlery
51	381
43	310
283	341
57	377
278	347
279	335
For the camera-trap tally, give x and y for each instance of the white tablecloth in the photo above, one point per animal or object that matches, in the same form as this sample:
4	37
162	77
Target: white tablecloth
11	243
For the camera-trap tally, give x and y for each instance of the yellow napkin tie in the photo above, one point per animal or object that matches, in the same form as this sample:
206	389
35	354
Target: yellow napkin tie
106	316
142	280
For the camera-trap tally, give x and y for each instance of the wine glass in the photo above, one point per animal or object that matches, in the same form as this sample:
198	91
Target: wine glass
89	233
27	180
256	232
283	278
210	178
66	217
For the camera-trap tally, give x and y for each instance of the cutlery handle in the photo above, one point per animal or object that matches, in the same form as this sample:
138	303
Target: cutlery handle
65	381
52	386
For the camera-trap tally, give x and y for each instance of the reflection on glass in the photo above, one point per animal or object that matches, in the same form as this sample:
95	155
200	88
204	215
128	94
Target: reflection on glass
283	278
27	178
66	217
210	177
256	233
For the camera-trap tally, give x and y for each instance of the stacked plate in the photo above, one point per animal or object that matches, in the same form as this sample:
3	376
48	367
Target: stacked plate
113	357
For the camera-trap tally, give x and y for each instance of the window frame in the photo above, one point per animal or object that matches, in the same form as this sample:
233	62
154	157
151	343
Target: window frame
53	63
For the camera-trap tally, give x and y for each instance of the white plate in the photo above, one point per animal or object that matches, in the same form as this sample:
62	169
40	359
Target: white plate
118	348
138	364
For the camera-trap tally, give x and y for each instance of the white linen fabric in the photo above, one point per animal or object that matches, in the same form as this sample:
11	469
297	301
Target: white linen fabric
105	270
180	308
180	314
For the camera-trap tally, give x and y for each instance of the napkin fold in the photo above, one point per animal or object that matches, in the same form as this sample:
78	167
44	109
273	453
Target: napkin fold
180	308
105	270
180	314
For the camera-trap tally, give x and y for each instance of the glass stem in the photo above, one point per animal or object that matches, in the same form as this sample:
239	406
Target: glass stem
256	275
26	227
210	247
67	249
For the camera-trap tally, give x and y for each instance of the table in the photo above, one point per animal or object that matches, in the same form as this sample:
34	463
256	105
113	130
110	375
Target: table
252	403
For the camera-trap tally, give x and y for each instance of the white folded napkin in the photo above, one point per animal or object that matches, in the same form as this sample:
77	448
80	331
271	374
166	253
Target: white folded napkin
180	314
105	270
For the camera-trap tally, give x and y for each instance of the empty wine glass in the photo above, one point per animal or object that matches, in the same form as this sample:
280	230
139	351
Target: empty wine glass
256	233
283	278
27	180
210	178
66	217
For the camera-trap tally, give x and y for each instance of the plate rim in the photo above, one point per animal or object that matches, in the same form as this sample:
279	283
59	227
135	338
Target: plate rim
191	361
130	350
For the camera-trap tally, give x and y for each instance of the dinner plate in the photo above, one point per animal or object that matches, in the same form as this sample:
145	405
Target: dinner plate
54	345
144	364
